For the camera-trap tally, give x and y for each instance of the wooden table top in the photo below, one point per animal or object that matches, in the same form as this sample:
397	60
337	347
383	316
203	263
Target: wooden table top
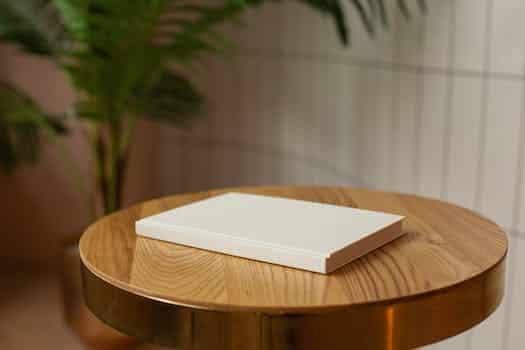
447	252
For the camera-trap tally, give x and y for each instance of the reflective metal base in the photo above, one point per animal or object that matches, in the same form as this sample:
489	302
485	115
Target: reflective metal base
402	324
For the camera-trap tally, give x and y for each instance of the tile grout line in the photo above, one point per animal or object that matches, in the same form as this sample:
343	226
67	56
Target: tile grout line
485	92
358	123
282	170
258	131
276	115
237	113
315	107
272	84
395	119
278	118
516	209
352	158
418	123
185	149
312	104
316	102
211	123
273	53
447	128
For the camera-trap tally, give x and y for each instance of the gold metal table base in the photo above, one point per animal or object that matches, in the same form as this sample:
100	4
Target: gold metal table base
414	322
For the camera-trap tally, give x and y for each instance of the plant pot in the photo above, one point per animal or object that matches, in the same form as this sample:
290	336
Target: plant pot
93	332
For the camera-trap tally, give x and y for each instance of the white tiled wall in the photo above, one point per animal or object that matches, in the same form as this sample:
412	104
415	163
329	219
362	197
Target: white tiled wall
432	106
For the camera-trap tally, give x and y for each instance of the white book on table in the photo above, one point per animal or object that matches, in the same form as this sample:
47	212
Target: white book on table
300	234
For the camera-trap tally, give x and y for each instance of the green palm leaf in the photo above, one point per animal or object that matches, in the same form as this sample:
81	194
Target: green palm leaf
21	127
73	15
172	98
33	25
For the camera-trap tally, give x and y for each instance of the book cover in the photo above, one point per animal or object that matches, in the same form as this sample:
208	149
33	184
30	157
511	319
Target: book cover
295	233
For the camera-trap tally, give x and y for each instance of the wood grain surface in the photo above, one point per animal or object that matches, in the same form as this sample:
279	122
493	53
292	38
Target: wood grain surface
449	257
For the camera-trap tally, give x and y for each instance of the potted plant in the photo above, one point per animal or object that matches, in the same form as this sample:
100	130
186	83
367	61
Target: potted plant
127	59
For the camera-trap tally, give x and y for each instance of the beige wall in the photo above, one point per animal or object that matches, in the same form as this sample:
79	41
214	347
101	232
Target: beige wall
40	204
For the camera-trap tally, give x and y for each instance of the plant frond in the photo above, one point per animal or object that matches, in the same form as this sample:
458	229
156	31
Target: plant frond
74	16
22	126
33	25
190	30
172	98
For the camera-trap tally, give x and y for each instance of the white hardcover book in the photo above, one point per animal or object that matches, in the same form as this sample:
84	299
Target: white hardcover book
306	235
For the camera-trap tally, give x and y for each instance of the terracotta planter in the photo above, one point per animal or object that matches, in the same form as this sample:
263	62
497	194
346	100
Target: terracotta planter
94	333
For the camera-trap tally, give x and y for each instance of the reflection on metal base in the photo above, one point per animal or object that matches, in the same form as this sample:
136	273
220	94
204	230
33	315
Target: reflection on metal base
403	323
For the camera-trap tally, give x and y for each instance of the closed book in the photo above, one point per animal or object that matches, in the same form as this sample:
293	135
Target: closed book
295	233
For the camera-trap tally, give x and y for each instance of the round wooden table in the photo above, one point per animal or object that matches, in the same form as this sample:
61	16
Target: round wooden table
444	276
